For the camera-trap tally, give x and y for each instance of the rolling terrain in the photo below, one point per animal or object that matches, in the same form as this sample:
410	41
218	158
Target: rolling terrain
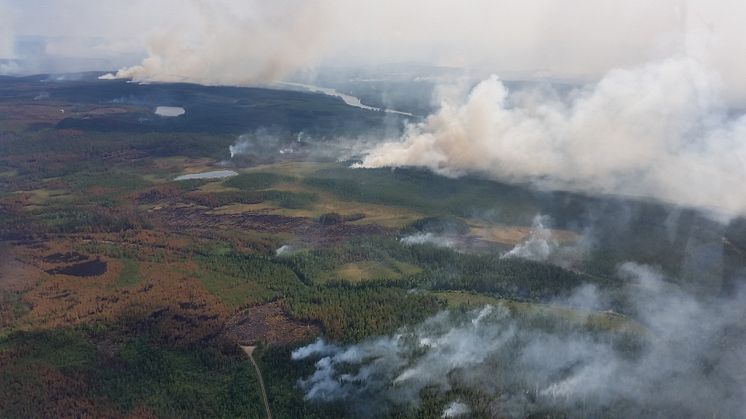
127	293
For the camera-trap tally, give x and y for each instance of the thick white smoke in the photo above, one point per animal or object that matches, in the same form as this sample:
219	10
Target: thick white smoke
284	250
656	130
456	409
235	43
685	360
390	366
438	240
250	41
539	245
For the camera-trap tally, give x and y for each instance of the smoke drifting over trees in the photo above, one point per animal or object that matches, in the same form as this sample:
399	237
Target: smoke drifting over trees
648	114
683	359
657	130
538	246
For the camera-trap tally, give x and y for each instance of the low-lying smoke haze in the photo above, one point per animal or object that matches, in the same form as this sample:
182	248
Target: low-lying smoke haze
688	361
266	143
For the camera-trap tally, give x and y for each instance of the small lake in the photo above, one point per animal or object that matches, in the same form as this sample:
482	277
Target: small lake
169	111
215	174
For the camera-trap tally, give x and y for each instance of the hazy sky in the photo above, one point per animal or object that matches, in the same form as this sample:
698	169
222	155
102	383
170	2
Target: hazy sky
558	38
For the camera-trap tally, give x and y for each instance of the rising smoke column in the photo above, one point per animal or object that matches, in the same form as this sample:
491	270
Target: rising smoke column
236	43
655	130
539	245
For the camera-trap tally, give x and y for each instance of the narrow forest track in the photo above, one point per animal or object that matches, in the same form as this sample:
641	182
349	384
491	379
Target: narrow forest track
249	350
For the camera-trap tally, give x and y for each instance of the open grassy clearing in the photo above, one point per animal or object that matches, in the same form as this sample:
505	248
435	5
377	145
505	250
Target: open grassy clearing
215	187
374	214
512	235
289	177
356	272
426	192
294	169
41	197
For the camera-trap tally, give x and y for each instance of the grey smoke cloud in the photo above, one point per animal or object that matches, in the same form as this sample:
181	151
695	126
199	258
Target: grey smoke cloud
657	130
687	362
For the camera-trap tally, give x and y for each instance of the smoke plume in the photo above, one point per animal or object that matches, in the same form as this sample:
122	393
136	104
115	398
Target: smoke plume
429	238
539	245
656	130
267	143
252	41
456	409
683	359
235	43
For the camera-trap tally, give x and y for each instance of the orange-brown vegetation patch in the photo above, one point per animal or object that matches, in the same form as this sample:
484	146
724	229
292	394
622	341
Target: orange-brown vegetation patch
15	202
323	234
268	323
158	193
47	393
145	241
34	113
16	275
98	191
108	110
197	217
166	298
121	156
184	165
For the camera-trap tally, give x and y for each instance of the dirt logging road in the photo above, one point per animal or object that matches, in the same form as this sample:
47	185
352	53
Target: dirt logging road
249	351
